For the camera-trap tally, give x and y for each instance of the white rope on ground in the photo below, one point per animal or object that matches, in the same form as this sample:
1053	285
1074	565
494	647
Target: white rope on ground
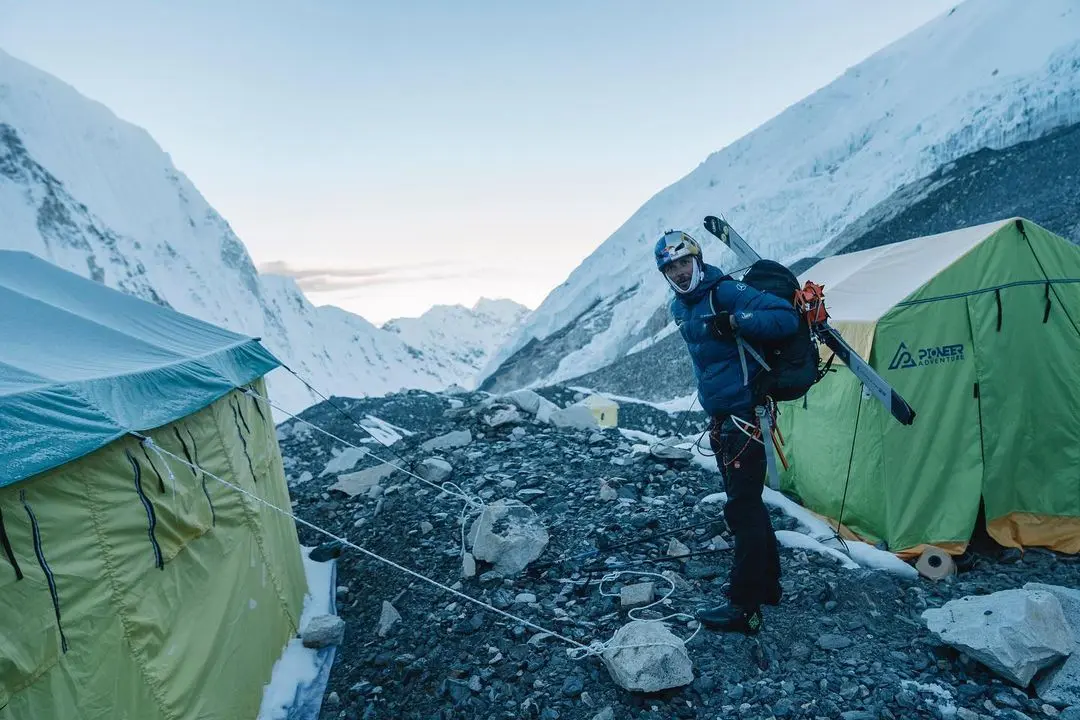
149	442
596	648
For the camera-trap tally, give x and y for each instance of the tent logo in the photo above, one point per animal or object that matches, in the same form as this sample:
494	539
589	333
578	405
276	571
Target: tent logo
902	358
934	355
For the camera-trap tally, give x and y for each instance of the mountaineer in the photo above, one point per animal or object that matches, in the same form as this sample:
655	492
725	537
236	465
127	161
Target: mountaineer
717	317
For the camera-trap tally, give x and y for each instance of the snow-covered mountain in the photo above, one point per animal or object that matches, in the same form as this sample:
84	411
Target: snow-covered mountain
96	195
987	74
462	337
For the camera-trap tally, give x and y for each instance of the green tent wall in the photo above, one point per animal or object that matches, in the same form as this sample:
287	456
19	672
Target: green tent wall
133	587
978	330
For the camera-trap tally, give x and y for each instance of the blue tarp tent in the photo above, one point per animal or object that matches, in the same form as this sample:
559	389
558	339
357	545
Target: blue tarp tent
82	364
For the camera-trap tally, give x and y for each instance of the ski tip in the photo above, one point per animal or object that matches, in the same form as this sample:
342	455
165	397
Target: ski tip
901	410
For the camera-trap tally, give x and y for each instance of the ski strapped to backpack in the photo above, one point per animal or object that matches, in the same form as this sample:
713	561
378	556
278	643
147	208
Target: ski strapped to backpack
793	364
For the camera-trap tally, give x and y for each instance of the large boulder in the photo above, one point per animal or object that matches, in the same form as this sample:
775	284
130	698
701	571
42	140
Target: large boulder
509	535
1061	684
1016	633
645	657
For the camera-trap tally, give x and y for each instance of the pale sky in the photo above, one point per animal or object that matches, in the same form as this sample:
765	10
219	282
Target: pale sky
436	151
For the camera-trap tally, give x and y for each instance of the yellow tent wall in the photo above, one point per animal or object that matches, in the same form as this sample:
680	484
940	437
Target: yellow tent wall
605	410
173	599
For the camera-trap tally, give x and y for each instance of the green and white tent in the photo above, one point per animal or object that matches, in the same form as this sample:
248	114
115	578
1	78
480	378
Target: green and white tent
132	586
979	330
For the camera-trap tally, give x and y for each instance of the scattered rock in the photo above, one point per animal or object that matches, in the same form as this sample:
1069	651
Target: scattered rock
508	535
667	451
457	438
1015	633
387	619
660	661
573	686
435	470
502	668
1060	685
324	631
677	549
636	595
503	416
344	461
358	483
830	641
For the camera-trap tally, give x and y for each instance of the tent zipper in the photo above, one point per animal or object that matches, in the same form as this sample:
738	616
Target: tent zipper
151	516
40	552
7	548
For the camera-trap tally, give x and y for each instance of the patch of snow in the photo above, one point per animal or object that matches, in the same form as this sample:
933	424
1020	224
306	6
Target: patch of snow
792	539
297	664
812	527
383	432
676	405
650	341
631	434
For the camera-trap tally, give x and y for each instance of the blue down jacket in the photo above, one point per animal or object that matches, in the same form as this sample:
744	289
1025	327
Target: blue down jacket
717	367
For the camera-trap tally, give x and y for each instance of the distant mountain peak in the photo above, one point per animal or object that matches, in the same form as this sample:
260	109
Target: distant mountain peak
97	196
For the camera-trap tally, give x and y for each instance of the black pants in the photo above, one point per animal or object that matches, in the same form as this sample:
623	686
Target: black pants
755	575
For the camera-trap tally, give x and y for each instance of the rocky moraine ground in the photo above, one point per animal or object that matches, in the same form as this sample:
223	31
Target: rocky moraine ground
848	641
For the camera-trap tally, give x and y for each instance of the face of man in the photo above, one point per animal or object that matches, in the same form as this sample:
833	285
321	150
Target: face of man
681	272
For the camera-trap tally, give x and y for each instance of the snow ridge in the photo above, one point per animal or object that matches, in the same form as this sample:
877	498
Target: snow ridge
989	73
96	195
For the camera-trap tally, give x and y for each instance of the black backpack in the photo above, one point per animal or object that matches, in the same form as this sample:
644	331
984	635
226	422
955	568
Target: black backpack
794	360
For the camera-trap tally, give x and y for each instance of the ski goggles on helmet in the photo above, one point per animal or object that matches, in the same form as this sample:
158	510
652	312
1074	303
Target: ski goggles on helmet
673	245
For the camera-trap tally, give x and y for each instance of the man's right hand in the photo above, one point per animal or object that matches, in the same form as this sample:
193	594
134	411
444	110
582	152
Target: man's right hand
722	326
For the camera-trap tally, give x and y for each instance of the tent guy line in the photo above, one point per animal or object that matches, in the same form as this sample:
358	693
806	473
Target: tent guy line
472	504
472	501
578	652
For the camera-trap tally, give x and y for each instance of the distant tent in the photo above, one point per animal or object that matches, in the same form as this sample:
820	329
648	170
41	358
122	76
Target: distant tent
979	329
604	409
132	586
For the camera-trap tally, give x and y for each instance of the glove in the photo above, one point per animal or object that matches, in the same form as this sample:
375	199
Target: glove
720	326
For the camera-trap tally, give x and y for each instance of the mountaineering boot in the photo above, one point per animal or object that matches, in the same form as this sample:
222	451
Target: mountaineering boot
731	618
